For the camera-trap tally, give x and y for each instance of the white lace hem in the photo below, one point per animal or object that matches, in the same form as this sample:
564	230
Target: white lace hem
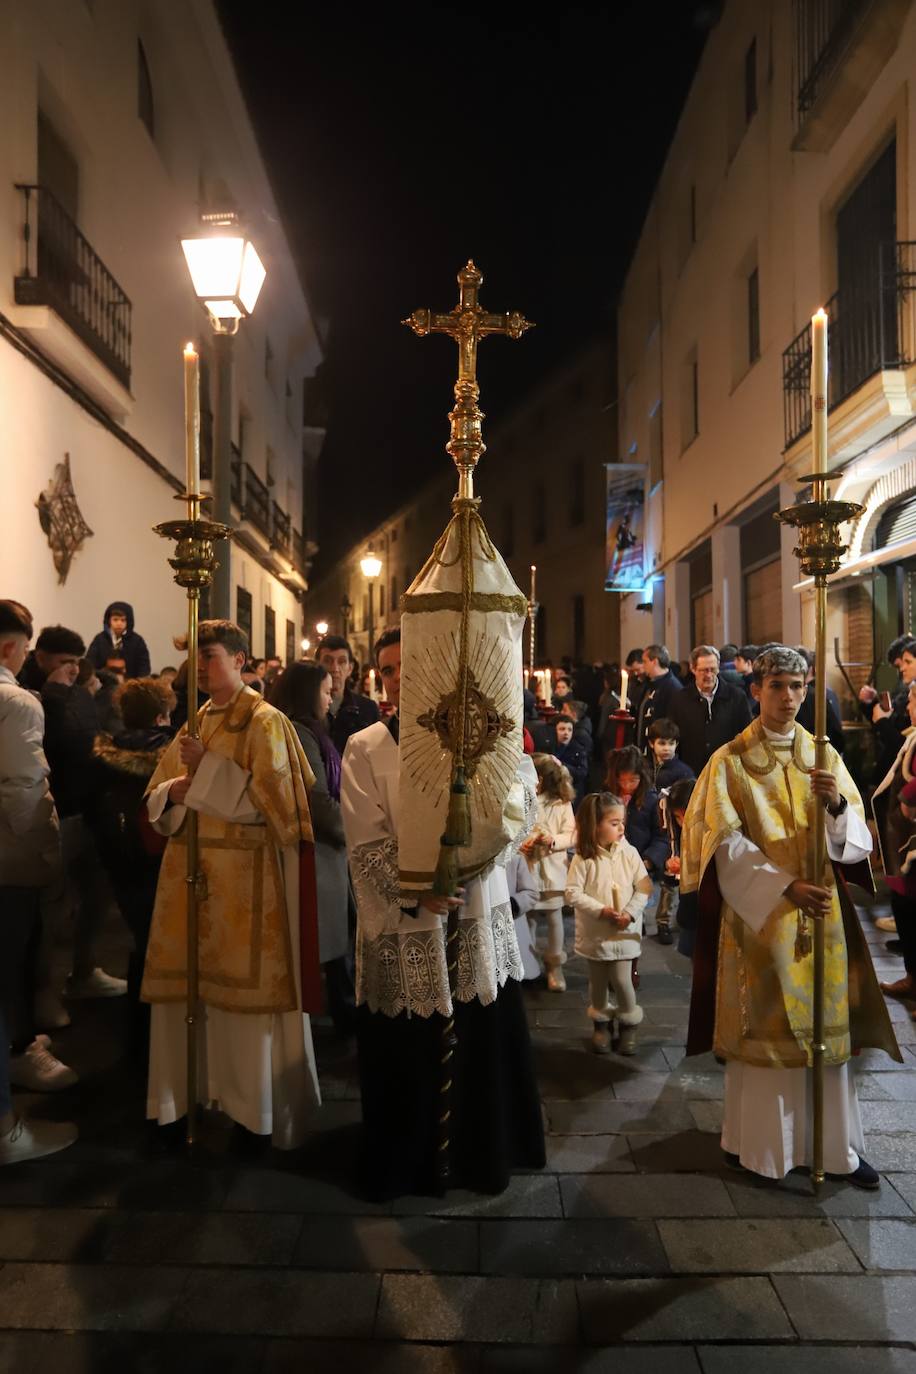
406	971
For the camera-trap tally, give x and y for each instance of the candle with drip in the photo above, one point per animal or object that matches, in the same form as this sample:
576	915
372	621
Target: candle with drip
819	389
192	418
624	688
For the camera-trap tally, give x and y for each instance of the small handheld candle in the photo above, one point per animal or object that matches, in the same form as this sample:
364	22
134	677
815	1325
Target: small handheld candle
192	418
624	688
615	898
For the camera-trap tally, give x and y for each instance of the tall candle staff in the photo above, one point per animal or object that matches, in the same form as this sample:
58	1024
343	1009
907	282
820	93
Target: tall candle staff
533	609
819	551
194	563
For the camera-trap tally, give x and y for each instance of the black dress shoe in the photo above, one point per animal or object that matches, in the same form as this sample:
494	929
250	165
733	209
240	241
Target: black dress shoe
894	946
863	1177
733	1162
664	936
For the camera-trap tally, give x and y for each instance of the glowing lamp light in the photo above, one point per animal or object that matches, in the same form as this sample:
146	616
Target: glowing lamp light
371	565
306	645
321	628
226	273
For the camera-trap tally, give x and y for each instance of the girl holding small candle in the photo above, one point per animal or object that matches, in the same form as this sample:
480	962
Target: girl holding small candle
546	851
608	887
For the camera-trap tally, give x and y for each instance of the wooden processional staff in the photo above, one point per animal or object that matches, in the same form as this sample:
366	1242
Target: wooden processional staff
467	323
819	551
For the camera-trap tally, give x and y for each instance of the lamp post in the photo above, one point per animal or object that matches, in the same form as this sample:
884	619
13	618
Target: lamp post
346	610
370	566
227	275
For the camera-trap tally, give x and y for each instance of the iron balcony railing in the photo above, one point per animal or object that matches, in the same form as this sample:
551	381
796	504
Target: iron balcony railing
63	271
256	506
872	328
281	530
236	494
823	29
298	551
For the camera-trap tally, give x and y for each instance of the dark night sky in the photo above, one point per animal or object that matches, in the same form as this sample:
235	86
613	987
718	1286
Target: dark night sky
403	141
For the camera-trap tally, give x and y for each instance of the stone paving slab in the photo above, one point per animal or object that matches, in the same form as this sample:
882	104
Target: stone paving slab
277	1302
624	1118
528	1195
366	1357
757	1247
837	1307
889	1152
890	1117
649	1359
882	1244
905	1185
681	1309
90	1352
792	1197
807	1359
900	1087
482	1309
690	1151
635	1196
574	1154
614	1246
68	1297
287	1190
376	1244
63	1181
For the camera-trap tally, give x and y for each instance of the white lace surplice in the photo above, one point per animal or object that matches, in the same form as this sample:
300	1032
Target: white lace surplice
400	959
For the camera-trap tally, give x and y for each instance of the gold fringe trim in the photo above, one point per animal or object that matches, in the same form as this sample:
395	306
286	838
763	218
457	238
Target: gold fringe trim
412	602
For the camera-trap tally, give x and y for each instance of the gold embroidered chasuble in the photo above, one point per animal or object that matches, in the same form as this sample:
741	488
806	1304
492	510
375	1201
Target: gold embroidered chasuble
764	982
246	962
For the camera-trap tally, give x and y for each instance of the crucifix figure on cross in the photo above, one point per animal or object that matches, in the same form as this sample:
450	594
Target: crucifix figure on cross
467	323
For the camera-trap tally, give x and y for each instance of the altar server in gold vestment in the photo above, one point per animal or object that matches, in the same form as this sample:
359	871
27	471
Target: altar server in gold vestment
746	845
247	779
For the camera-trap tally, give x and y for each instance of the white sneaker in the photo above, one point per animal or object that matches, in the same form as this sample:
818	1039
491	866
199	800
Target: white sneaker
50	1012
98	983
32	1139
38	1070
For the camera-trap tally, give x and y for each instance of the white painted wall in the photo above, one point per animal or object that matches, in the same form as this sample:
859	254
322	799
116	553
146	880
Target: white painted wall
138	196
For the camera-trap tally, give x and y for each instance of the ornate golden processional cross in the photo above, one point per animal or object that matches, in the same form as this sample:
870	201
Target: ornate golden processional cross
467	323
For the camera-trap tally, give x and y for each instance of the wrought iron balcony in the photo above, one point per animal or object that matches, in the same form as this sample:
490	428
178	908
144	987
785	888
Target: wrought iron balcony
63	271
281	530
236	494
871	329
298	552
823	29
256	505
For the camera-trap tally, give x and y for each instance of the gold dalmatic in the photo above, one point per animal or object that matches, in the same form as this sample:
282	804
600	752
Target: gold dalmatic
461	667
761	788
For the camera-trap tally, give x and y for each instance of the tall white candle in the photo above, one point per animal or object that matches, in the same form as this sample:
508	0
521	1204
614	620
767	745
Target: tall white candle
372	690
534	570
192	418
624	688
819	389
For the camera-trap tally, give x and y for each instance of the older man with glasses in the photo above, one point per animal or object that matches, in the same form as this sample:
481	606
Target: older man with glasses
709	712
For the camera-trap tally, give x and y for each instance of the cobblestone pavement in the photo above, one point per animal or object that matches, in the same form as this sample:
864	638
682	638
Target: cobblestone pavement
634	1251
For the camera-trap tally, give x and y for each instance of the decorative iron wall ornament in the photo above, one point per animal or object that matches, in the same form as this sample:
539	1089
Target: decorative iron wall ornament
61	519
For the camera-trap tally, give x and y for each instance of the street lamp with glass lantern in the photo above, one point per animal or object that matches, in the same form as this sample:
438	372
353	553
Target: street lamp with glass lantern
227	275
370	566
321	628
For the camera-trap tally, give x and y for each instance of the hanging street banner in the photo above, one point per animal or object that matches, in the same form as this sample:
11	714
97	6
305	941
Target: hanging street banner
625	547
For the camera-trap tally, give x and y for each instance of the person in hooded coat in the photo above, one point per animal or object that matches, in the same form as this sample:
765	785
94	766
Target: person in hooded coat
119	639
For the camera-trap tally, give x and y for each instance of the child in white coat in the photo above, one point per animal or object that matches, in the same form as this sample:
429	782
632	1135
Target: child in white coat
545	849
608	886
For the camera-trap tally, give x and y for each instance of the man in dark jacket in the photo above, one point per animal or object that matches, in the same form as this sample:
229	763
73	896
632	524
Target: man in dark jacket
805	715
119	640
660	690
71	724
709	712
888	726
349	710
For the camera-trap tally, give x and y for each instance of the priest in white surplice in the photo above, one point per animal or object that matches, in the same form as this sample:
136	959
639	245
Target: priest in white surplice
247	779
403	997
746	846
